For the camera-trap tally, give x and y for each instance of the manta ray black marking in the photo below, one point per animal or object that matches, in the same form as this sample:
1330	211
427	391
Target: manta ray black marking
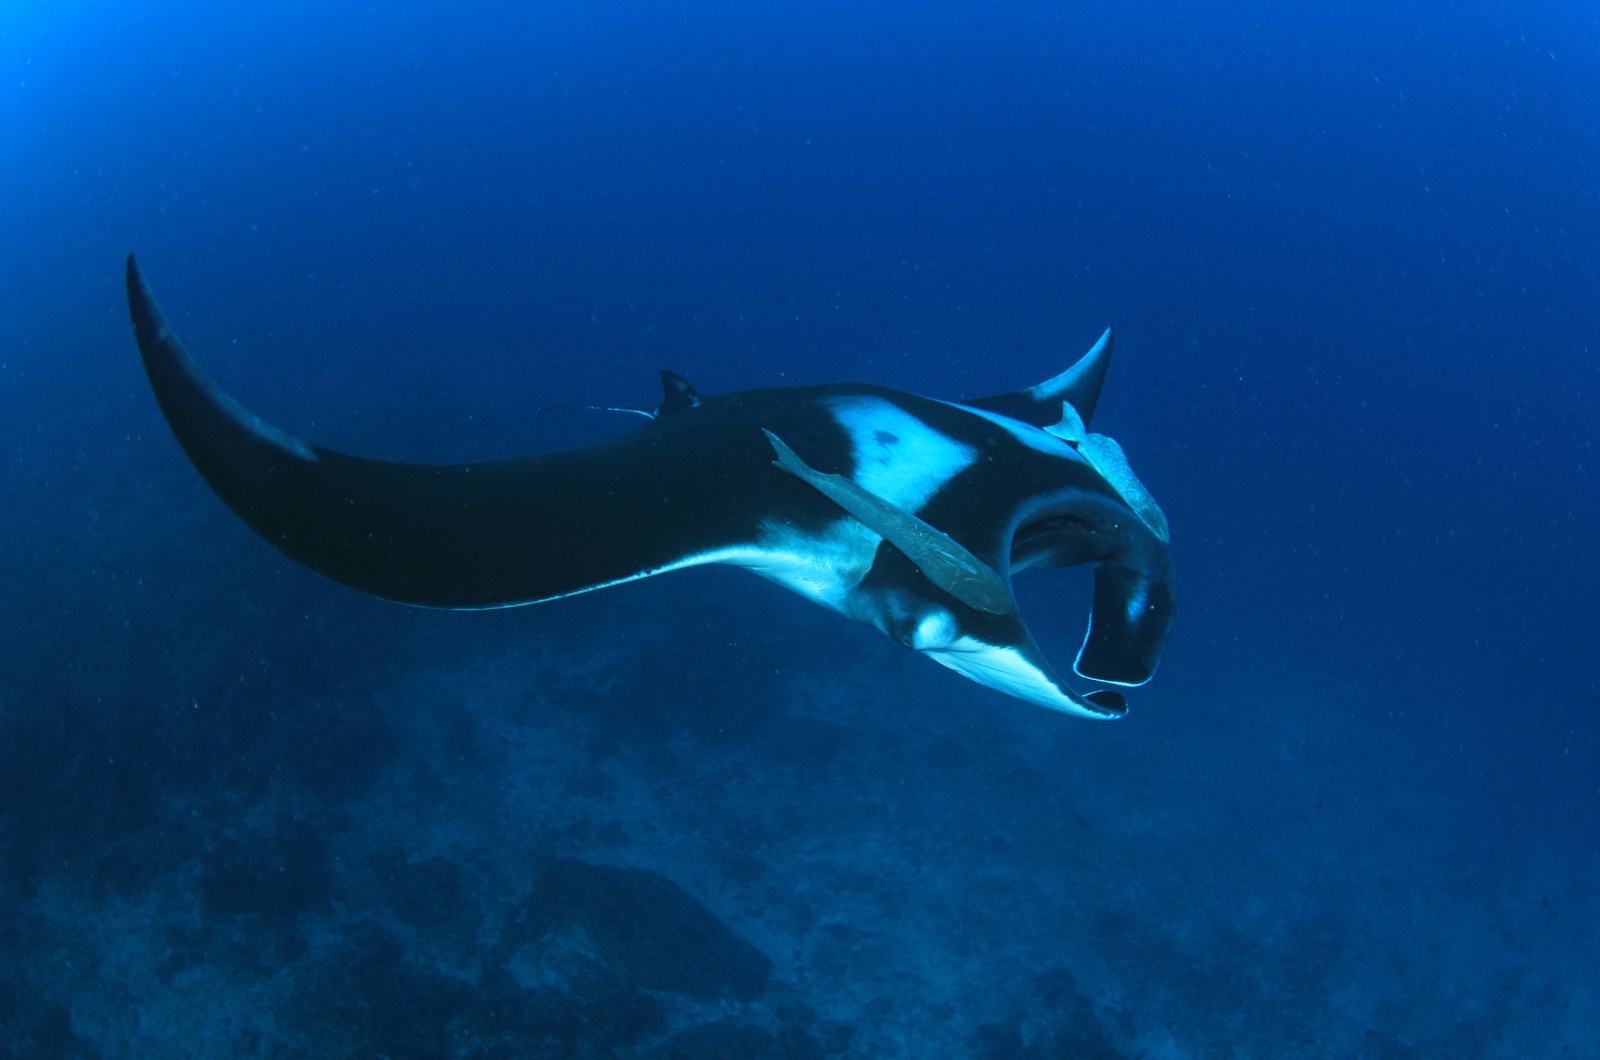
905	513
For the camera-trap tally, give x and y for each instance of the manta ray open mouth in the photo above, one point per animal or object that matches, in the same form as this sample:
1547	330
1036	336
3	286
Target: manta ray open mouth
905	513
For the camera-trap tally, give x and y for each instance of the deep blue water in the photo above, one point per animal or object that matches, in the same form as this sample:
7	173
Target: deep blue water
1353	260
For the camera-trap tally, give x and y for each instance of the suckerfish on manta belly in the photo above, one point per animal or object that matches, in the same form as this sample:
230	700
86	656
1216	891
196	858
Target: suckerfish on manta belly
905	513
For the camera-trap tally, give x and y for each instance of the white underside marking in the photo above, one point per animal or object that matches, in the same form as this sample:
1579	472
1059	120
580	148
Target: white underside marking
936	632
1005	670
824	568
897	456
734	556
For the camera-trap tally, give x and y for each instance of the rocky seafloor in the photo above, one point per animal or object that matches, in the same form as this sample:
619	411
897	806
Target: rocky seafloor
246	814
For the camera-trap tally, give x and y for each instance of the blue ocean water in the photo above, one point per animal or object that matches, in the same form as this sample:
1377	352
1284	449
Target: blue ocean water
1353	260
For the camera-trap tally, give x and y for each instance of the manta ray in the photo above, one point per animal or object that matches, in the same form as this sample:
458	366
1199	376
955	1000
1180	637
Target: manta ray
908	514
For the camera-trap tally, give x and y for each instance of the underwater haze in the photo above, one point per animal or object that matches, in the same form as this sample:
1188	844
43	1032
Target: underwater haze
1352	254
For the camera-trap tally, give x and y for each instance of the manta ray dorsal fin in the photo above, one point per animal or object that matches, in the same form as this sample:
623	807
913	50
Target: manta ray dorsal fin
1079	386
677	394
936	554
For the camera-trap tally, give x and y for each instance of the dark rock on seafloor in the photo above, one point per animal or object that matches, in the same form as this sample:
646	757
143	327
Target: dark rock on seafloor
643	928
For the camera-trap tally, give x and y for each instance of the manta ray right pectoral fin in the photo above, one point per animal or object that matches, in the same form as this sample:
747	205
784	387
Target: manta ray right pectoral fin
944	560
1079	386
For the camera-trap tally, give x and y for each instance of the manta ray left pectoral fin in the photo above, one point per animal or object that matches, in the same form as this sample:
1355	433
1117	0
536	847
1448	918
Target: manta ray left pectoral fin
193	403
943	559
490	534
